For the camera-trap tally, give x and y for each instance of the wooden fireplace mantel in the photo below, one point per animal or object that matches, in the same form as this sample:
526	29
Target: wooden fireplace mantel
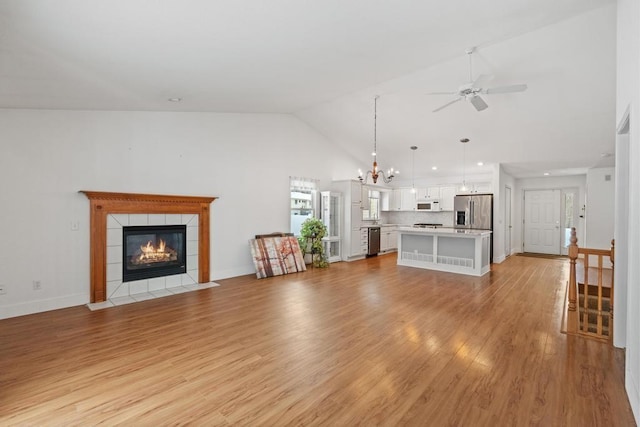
103	204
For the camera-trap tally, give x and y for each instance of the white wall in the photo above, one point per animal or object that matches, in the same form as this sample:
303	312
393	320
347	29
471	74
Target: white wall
48	156
628	99
600	208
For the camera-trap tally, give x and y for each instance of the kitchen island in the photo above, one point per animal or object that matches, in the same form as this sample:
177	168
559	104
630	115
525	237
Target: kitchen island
445	249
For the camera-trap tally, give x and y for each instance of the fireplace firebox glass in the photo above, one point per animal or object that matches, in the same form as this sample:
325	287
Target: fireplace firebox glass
153	251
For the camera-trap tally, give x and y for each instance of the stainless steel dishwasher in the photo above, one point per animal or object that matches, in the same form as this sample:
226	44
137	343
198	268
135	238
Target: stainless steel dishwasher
374	241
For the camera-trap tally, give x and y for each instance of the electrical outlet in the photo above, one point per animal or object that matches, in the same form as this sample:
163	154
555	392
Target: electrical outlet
37	285
75	225
3	290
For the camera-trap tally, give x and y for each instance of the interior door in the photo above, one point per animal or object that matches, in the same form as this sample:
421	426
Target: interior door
542	221
507	221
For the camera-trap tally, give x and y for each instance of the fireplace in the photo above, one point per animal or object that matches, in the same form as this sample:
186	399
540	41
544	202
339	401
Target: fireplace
153	251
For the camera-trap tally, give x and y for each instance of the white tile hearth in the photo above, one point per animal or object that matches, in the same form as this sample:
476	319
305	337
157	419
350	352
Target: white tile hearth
144	296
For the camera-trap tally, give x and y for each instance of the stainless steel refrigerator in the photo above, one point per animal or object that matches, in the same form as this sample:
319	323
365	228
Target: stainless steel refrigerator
475	212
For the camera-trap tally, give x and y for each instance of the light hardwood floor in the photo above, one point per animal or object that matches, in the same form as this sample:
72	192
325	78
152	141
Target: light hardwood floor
359	343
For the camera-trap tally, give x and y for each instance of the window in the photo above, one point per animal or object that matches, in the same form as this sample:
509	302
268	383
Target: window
303	201
569	216
371	206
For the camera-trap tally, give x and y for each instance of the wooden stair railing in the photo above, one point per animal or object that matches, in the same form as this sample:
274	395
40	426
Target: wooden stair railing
590	307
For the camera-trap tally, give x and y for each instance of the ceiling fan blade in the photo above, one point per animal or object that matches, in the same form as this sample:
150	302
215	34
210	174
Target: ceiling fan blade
482	80
447	104
478	102
506	89
442	93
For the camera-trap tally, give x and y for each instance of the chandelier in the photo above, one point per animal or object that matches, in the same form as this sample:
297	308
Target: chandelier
375	172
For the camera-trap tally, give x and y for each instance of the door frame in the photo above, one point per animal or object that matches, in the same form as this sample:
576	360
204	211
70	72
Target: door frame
508	222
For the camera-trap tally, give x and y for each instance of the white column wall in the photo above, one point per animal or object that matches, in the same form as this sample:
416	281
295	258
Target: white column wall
628	99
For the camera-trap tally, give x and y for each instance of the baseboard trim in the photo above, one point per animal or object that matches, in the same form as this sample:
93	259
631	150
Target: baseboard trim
632	393
232	272
39	306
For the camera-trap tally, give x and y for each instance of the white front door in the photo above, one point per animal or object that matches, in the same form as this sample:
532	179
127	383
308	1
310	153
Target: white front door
542	221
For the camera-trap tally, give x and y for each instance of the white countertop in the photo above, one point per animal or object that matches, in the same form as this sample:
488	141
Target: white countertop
384	225
443	230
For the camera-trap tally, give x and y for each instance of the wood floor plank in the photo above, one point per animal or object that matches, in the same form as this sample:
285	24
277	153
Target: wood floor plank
361	343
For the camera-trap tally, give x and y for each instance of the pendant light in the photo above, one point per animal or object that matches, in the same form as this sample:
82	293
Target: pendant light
413	169
374	172
464	161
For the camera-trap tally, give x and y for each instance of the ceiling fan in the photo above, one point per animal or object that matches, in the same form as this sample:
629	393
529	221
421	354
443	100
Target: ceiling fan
472	90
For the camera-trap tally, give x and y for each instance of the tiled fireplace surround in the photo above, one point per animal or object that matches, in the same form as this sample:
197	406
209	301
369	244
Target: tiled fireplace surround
158	285
111	211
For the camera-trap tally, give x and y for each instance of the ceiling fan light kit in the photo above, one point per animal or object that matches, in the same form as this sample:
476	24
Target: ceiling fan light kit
472	90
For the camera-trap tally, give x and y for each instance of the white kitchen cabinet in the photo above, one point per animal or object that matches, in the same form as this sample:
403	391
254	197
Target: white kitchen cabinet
407	199
478	188
398	199
390	200
388	239
393	239
431	193
482	187
356	192
364	196
356	217
359	242
385	200
394	201
447	195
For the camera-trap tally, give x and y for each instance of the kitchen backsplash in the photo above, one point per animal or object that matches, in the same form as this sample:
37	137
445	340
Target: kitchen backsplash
444	218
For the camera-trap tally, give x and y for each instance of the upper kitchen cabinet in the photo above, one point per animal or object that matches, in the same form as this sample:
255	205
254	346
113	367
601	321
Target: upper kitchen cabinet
398	199
482	187
429	193
356	192
478	187
390	200
447	195
407	199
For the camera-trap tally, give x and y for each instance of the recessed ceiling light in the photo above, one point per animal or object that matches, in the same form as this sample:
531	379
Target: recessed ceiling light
435	168
175	99
546	174
480	164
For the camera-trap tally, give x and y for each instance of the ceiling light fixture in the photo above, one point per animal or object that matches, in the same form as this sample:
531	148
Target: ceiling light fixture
464	161
413	169
374	172
546	174
480	164
434	168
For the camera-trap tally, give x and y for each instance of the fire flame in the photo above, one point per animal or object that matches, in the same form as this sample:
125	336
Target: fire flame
150	253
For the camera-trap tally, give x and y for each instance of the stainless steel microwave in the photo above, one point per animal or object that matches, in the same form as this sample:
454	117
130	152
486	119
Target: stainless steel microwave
428	205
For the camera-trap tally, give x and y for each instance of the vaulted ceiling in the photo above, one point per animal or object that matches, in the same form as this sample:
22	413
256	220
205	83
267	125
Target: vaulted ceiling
325	61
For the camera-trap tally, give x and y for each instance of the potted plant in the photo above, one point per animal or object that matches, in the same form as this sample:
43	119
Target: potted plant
311	234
